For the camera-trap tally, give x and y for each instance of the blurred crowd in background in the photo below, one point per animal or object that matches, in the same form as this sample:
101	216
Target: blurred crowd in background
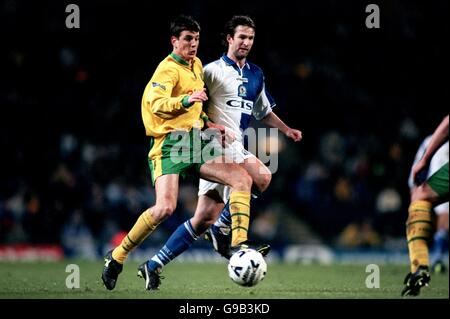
74	152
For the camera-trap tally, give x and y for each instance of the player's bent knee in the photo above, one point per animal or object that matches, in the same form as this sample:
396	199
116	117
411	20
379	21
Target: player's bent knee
242	181
164	211
263	182
424	193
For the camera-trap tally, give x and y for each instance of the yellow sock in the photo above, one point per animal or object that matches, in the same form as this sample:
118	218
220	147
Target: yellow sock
143	227
419	229
240	216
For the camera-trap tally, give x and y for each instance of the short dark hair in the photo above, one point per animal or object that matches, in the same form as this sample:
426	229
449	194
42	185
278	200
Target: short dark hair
230	26
183	23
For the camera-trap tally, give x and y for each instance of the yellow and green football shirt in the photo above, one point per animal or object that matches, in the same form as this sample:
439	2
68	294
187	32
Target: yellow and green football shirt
163	110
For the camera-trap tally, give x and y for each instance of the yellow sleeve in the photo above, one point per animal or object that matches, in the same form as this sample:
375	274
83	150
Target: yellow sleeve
159	96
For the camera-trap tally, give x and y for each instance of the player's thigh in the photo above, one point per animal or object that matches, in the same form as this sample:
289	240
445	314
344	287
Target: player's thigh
166	188
426	193
256	169
222	170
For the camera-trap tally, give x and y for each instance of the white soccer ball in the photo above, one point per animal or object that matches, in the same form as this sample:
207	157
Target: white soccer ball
247	267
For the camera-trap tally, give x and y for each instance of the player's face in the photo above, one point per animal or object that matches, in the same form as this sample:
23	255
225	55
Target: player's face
186	45
241	43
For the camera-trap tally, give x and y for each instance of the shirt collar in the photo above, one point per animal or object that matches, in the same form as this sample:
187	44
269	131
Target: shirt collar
231	62
179	59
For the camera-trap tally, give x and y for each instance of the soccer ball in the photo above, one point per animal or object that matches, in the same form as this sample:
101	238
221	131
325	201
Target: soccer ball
247	267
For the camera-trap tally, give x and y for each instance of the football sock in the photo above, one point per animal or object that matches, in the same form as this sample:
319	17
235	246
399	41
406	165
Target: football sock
224	220
240	216
180	240
418	232
143	227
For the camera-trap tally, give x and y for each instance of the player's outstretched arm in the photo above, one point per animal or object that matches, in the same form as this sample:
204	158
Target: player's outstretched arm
273	120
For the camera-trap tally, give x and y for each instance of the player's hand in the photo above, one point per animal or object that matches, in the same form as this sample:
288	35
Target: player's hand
226	135
294	134
198	96
229	137
420	172
213	126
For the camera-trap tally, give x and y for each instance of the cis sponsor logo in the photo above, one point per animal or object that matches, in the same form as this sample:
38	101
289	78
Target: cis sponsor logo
244	105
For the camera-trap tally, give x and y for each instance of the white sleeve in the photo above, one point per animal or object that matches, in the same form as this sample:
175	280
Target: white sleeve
263	105
210	74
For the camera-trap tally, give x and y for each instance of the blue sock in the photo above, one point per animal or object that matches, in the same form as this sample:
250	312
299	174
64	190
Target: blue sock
224	221
439	245
180	240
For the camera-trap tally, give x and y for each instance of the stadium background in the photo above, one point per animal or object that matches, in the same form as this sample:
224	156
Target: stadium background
74	172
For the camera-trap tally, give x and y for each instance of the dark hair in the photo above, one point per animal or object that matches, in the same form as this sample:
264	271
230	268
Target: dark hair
183	23
230	26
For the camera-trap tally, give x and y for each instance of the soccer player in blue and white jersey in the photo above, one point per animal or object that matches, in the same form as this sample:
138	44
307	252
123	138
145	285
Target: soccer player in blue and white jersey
236	94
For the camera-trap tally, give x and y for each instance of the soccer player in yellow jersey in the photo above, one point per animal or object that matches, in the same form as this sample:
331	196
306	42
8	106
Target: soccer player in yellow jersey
173	119
427	194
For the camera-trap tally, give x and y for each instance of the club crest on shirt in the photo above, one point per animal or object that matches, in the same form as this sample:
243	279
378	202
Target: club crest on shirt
242	91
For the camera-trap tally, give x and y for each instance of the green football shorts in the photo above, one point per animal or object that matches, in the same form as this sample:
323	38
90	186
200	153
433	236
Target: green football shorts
180	152
439	181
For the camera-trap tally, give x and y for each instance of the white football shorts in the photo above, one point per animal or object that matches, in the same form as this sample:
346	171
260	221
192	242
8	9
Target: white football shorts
238	153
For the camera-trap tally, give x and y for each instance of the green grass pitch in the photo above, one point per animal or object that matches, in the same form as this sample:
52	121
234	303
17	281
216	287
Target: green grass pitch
36	280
